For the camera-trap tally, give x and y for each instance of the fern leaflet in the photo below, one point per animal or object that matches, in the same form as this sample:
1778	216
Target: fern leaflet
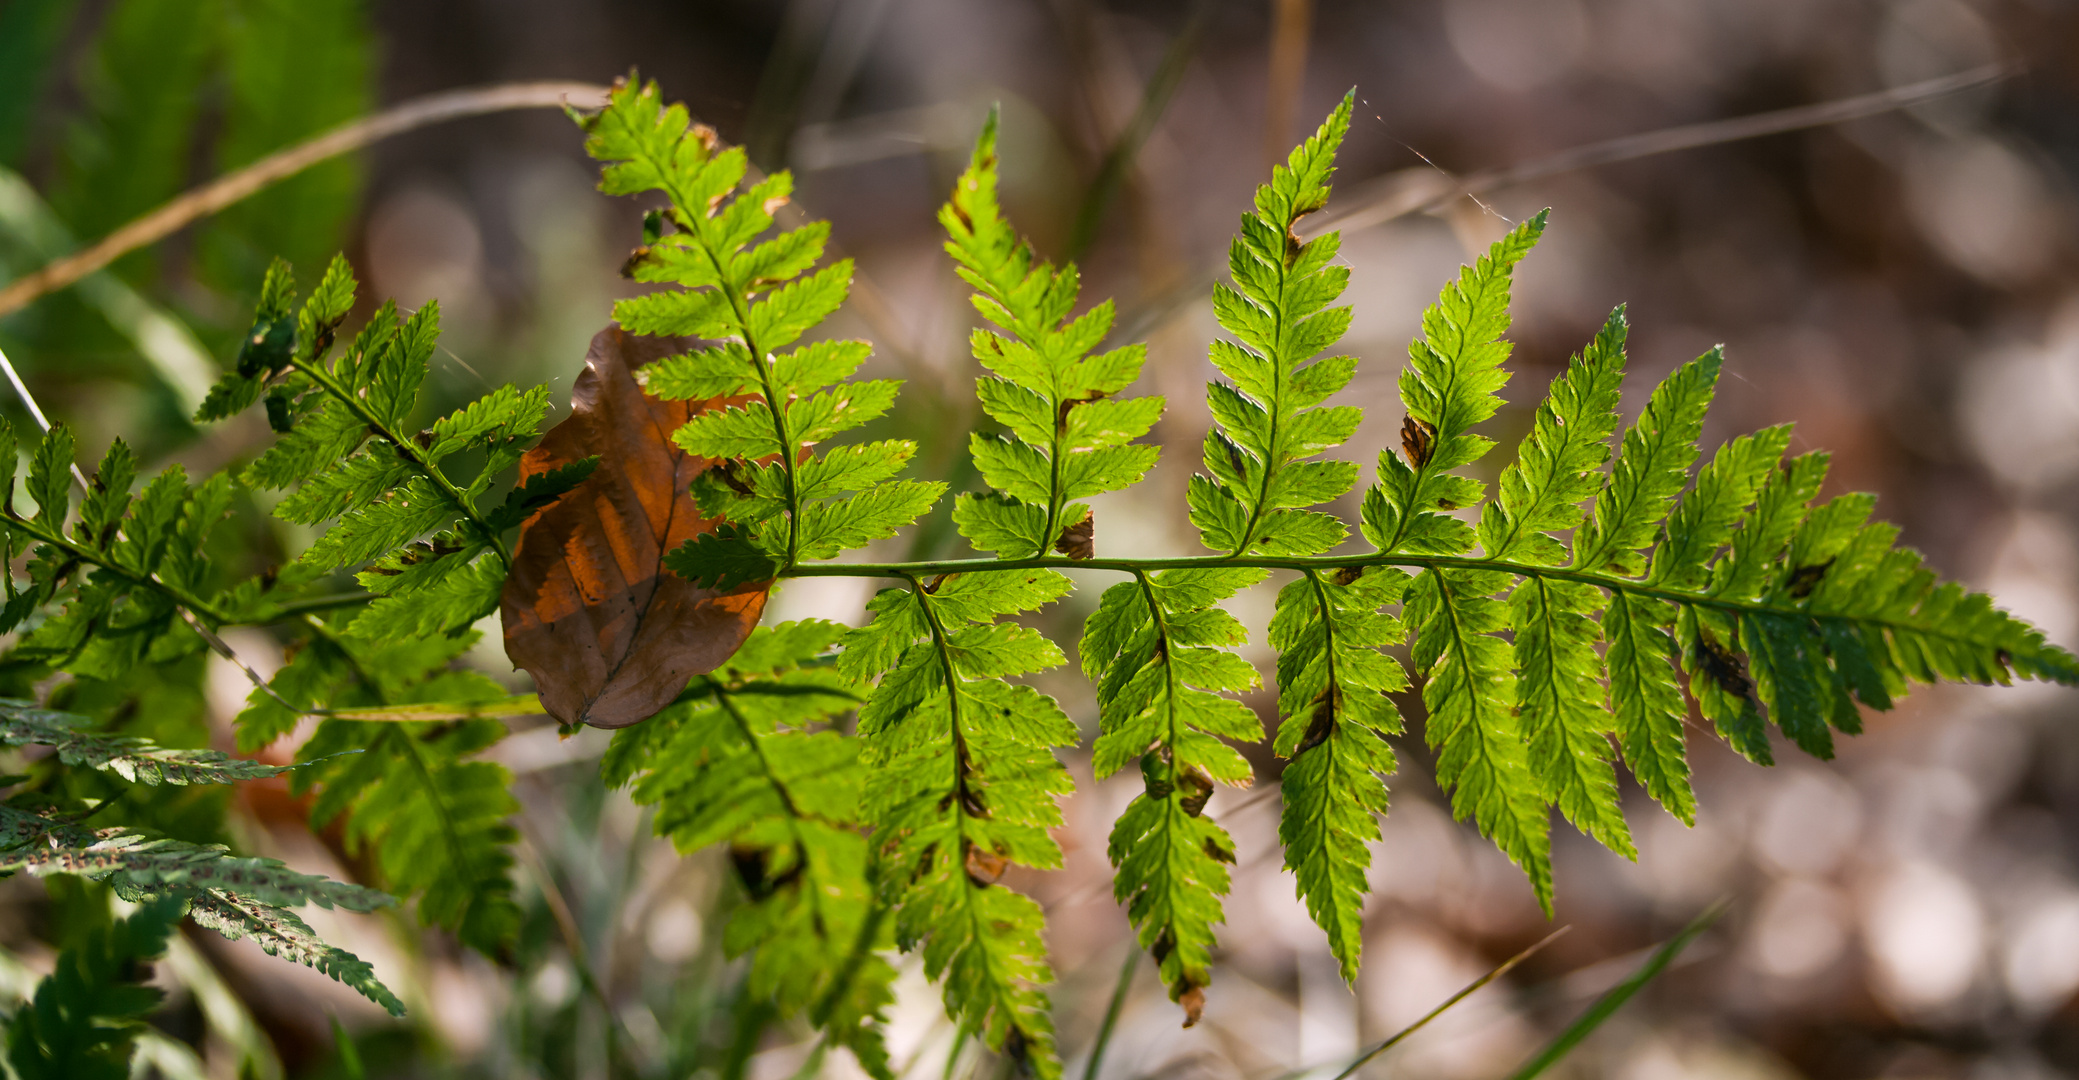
1068	437
962	784
1156	646
784	502
749	760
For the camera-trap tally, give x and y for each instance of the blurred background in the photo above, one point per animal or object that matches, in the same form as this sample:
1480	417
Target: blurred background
1905	287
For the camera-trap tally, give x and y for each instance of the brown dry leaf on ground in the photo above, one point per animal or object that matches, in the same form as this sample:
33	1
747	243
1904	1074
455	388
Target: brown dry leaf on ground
609	635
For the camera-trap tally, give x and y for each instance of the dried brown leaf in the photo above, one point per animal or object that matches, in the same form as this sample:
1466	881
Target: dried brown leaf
609	635
1079	541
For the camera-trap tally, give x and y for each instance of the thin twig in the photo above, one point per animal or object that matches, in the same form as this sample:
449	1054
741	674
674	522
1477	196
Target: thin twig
230	188
1470	988
1389	197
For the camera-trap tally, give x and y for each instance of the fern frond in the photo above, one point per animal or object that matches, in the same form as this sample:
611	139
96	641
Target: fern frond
1560	700
1332	685
751	761
23	723
433	549
1067	437
749	298
83	1016
435	819
127	569
1450	383
1257	486
1449	386
1157	647
234	895
279	932
962	783
1469	687
139	867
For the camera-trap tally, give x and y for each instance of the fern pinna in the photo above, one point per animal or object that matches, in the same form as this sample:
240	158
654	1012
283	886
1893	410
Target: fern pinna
1552	626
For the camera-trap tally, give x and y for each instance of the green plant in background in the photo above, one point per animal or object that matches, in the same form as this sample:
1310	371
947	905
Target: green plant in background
875	788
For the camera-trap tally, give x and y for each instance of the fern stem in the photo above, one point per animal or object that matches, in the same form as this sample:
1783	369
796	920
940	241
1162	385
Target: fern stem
56	538
944	649
790	459
409	451
911	570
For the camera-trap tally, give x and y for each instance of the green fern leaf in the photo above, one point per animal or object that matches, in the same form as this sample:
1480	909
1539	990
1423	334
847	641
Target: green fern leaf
963	783
1652	466
1450	383
350	457
279	932
435	820
1332	682
1157	647
83	1016
750	761
753	298
1068	438
1469	686
1560	703
137	760
1257	486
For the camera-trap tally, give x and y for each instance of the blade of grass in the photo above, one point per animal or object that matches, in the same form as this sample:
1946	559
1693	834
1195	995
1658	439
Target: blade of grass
1607	1005
960	1038
1470	988
1162	86
1111	1012
163	340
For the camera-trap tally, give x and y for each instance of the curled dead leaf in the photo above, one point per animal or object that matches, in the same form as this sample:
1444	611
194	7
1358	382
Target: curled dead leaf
1194	1003
1418	440
609	635
1079	541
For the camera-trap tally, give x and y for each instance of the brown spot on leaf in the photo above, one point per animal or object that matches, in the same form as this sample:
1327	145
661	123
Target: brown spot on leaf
1418	440
1079	541
984	867
1806	578
1320	725
1724	666
608	634
1194	788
